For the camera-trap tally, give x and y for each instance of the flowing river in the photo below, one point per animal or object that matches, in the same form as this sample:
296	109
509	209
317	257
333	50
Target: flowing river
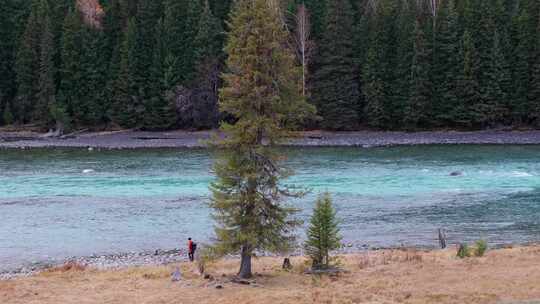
60	203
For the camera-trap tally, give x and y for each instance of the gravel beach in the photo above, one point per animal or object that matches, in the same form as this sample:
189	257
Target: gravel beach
184	139
103	262
156	257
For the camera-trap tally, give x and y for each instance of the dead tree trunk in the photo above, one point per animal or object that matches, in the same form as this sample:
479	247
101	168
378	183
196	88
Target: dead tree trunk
442	238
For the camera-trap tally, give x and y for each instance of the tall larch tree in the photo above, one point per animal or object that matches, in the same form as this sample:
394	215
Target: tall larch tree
261	91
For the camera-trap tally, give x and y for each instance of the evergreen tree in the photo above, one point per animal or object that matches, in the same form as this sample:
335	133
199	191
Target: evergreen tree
362	30
149	92
220	9
113	28
323	233
373	89
11	22
503	22
7	116
520	73
148	13
534	92
181	20
27	65
489	56
496	77
335	82
418	110
46	83
261	92
160	112
469	95
208	57
126	106
209	37
318	11
387	67
446	64
70	72
400	84
93	91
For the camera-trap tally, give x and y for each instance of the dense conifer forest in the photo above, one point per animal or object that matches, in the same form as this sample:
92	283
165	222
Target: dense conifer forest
377	64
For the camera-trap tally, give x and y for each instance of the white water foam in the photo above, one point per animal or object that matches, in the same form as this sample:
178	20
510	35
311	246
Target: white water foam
521	174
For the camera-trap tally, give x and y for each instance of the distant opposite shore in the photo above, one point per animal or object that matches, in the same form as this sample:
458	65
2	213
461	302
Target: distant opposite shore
129	139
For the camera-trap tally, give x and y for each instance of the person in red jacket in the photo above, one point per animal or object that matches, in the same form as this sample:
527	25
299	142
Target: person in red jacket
191	249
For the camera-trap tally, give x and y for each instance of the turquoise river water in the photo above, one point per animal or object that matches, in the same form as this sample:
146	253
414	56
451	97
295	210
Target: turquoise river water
61	203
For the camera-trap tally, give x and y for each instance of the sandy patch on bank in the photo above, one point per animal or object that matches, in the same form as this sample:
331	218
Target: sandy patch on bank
390	276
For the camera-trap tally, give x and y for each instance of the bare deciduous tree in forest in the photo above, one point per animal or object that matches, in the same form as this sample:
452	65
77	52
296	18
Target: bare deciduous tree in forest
303	43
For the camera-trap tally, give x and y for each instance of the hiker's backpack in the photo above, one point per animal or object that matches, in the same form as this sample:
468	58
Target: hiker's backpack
194	246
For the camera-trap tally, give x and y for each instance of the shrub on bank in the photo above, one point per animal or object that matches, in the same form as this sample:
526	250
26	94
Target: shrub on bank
463	251
480	248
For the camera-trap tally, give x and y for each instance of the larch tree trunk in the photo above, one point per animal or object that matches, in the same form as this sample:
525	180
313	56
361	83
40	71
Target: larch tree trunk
245	263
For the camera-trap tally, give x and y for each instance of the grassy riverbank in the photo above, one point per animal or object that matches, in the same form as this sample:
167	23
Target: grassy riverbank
391	276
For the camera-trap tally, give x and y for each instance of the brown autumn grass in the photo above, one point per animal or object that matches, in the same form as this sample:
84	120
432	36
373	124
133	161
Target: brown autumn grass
391	276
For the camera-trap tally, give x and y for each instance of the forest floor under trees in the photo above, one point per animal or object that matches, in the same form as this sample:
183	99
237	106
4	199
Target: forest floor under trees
510	275
184	139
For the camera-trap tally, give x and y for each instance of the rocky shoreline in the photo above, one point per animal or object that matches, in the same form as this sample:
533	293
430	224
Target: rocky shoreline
185	139
102	262
160	257
135	259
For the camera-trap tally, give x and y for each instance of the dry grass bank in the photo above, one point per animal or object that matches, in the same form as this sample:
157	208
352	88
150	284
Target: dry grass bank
502	276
